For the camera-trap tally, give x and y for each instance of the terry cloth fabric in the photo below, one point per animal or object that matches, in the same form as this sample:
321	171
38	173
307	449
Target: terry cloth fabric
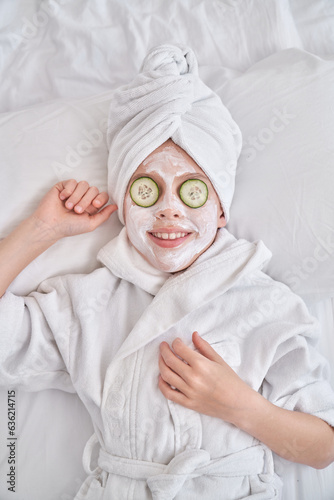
167	99
127	263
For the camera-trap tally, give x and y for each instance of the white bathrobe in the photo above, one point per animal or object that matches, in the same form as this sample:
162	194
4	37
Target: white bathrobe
99	335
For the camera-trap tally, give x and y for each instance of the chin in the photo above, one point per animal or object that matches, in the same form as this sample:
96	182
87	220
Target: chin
171	267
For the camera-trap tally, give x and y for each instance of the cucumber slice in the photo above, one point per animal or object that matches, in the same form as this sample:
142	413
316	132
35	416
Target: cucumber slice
144	192
194	193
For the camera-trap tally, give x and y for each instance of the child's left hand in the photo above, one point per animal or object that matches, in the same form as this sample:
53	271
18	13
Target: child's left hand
203	381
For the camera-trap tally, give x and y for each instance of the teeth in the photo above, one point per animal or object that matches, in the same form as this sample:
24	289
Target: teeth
169	236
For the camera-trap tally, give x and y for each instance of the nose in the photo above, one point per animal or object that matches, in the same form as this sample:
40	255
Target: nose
169	208
168	213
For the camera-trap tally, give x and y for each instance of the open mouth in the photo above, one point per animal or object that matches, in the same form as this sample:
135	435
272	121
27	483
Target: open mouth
169	239
169	236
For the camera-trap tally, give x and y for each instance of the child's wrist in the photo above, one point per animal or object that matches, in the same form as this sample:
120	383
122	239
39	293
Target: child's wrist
250	417
38	233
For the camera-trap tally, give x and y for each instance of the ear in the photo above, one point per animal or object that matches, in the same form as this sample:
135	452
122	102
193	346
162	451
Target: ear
221	220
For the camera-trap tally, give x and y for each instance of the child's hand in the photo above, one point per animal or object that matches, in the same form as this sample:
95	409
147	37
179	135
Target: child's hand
71	208
203	381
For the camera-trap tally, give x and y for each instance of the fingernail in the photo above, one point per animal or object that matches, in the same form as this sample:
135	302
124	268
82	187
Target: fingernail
62	197
69	205
78	208
97	202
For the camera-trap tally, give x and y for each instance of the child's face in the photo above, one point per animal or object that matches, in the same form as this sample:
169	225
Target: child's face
169	234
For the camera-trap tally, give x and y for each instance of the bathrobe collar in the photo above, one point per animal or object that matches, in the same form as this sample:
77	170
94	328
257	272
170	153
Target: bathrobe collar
218	269
123	260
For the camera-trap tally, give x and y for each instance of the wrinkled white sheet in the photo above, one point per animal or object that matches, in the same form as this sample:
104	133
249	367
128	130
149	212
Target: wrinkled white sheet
73	49
59	49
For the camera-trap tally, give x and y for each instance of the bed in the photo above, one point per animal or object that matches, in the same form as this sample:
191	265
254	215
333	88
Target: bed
272	63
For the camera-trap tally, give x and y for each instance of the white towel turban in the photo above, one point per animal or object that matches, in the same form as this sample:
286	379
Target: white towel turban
167	99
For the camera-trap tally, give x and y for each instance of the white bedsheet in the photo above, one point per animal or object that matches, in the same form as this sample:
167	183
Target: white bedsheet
61	49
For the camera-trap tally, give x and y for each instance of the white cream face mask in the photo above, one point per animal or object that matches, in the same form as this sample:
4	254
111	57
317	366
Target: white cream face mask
169	234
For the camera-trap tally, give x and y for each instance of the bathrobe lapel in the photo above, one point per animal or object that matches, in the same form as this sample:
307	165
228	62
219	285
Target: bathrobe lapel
186	291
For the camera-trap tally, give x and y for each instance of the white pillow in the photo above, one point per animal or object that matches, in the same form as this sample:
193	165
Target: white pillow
285	177
314	21
40	146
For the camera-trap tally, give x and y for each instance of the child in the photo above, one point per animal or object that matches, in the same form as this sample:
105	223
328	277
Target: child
173	270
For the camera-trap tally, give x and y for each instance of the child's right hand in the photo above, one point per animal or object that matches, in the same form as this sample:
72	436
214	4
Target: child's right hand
71	208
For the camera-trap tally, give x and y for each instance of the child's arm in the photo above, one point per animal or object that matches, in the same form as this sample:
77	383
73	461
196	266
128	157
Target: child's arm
205	383
69	208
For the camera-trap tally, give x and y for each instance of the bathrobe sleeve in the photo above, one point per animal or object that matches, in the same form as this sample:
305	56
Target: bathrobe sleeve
298	378
34	338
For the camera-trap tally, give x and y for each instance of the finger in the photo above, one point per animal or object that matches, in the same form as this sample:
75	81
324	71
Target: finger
175	363
86	200
171	377
98	202
205	348
66	188
186	353
101	199
99	218
79	191
173	394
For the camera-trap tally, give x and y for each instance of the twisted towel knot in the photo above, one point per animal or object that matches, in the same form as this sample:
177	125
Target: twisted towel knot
170	60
